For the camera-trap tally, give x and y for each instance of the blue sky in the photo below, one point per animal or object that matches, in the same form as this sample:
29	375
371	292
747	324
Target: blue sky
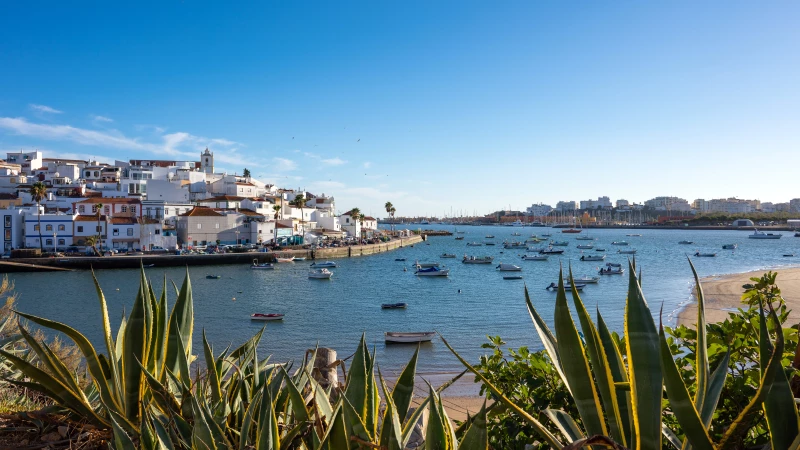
469	106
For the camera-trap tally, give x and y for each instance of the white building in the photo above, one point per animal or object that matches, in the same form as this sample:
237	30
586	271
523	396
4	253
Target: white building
167	191
13	220
28	161
794	205
563	206
670	204
56	232
539	210
600	203
623	204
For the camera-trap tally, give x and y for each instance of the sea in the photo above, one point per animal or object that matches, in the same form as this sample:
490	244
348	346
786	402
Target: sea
472	303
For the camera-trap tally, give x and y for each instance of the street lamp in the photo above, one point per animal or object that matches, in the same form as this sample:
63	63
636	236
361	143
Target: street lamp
55	242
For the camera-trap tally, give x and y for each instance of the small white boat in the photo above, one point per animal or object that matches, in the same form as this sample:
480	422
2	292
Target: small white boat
516	234
512	277
285	260
447	255
686	242
432	272
599	249
586	280
705	255
567	287
730	246
612	271
559	243
535	257
761	235
584	238
619	243
424	336
425	265
585	246
515	245
613	264
509	268
459	238
547	235
320	274
326	264
634	235
400	305
261	266
474	244
593	257
551	251
489	236
266	317
299	258
477	259
626	252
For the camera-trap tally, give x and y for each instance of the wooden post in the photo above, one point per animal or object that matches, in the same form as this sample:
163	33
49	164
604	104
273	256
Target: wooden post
326	367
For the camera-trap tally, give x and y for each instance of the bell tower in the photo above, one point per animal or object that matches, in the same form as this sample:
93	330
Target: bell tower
207	161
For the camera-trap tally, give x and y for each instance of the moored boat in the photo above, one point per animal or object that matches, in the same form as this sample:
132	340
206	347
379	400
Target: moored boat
489	236
326	264
432	272
705	255
567	287
399	305
626	252
761	235
585	246
266	317
584	238
425	265
285	260
593	257
261	266
634	235
613	264
399	259
730	246
508	268
321	274
599	249
611	271
459	238
535	257
213	277
401	338
619	243
447	255
474	244
686	242
512	277
571	230
514	245
477	259
586	280
559	243
551	251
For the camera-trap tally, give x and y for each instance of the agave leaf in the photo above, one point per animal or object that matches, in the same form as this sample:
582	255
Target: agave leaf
548	340
779	405
211	367
576	366
161	320
391	433
543	432
323	404
477	437
121	439
181	324
357	385
682	406
565	424
290	435
162	434
715	384
371	418
701	352
403	391
51	361
268	438
249	420
644	366
602	372
133	350
619	375
353	423
740	426
437	435
202	436
411	421
671	437
297	405
336	437
112	399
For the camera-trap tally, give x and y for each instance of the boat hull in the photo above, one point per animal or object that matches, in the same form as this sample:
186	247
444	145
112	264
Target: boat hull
408	338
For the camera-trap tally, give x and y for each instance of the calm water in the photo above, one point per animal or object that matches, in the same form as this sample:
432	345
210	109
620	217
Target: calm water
473	302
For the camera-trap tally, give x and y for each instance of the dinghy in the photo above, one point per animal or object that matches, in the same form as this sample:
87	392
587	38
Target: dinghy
320	274
402	338
508	268
266	317
593	257
326	264
394	305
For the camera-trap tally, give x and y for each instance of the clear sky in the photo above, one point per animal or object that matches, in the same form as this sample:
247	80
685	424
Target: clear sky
433	105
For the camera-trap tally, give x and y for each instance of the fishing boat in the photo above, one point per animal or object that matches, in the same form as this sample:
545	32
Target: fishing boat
626	252
613	264
705	255
585	246
797	234
394	305
730	246
599	249
634	235
489	236
213	277
586	280
474	244
425	265
593	257
285	260
261	266
686	242
488	243
514	245
567	287
326	264
432	272
571	230
459	238
266	317
611	271
559	243
447	255
320	274
761	235
535	257
477	259
584	238
788	255
509	268
512	277
404	338
399	259
619	243
551	251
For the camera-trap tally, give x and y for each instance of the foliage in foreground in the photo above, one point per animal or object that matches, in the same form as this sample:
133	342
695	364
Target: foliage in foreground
142	389
635	393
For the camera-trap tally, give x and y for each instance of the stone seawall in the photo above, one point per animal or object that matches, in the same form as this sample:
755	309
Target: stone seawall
133	262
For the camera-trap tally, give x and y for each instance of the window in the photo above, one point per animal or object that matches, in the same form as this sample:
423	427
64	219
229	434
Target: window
133	209
62	228
106	209
166	211
36	228
158	231
124	208
94	209
216	225
62	242
96	173
199	226
48	228
116	231
130	231
80	229
48	242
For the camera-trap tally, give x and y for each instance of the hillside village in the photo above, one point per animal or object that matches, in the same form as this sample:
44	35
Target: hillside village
157	205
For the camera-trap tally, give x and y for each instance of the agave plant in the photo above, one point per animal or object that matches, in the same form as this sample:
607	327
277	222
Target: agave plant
618	389
142	389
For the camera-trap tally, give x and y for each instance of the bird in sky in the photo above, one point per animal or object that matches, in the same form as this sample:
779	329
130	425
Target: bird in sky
358	140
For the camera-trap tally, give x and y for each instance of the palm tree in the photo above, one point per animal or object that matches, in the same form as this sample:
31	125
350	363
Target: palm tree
92	242
277	209
246	173
354	214
300	202
361	218
38	193
389	208
98	207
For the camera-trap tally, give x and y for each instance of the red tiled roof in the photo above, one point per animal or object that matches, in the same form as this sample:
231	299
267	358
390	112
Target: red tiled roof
201	211
280	225
222	198
245	184
89	218
369	218
123	221
113	200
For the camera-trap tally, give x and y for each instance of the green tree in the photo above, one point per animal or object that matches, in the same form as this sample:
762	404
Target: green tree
38	193
354	214
246	173
389	208
98	209
92	241
361	218
300	202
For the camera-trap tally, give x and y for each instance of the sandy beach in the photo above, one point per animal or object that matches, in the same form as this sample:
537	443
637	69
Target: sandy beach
724	293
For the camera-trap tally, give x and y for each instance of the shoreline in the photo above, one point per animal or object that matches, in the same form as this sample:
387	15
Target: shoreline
723	295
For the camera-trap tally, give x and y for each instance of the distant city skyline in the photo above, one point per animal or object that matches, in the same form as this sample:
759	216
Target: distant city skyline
432	106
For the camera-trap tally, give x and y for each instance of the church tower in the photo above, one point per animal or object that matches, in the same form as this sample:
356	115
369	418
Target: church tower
207	161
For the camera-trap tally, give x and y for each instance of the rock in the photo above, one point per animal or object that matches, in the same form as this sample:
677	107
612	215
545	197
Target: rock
63	431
